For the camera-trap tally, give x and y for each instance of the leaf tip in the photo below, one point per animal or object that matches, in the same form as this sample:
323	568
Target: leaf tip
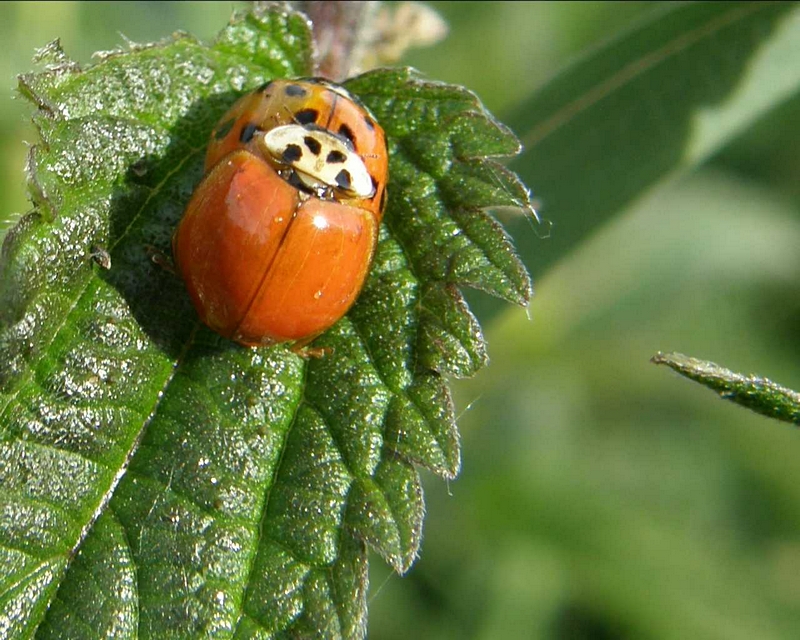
53	56
658	358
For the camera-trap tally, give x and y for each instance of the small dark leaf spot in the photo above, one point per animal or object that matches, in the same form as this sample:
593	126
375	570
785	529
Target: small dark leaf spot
343	179
313	145
292	153
335	157
224	129
248	131
295	90
347	132
306	116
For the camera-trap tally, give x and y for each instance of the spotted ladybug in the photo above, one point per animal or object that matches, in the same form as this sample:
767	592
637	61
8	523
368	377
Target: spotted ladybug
276	241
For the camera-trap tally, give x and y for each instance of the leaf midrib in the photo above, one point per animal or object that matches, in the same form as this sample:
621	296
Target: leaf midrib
33	363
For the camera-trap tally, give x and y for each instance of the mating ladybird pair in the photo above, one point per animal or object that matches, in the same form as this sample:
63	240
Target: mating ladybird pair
277	239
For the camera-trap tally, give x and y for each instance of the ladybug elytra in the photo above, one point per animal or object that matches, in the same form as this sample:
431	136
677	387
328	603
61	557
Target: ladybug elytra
276	241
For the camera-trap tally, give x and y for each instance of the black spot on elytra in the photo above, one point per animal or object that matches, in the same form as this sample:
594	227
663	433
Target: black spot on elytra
264	86
224	129
335	157
248	131
306	116
344	179
347	132
295	90
292	153
313	145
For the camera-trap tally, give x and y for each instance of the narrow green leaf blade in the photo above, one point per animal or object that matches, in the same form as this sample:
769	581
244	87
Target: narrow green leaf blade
659	99
756	393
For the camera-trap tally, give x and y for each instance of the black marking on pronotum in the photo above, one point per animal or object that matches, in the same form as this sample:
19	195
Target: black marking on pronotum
295	90
224	129
374	185
248	131
347	132
313	145
292	153
335	157
297	183
344	179
306	116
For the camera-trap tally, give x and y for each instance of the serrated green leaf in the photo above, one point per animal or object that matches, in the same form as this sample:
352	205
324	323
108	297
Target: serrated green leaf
655	101
197	488
443	179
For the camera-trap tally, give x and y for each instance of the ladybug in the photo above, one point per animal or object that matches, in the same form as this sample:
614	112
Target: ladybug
277	239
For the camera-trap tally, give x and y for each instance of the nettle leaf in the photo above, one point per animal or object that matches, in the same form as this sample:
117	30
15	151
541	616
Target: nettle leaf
159	481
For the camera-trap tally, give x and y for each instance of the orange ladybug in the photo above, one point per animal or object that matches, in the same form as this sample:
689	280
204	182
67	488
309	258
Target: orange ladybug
276	241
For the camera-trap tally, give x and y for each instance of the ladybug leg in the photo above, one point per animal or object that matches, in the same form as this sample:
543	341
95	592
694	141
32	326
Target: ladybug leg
312	352
161	259
302	349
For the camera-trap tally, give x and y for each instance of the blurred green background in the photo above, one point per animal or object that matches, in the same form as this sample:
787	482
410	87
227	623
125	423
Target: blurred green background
601	497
